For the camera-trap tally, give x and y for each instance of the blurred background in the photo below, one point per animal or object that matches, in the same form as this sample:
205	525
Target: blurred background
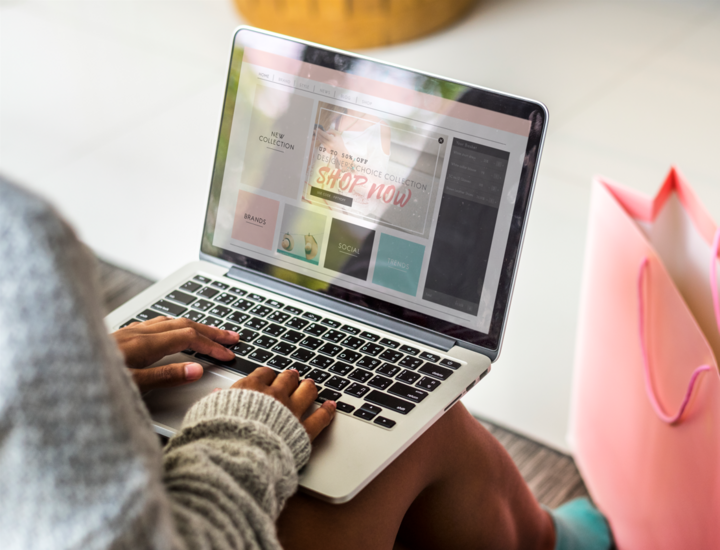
110	109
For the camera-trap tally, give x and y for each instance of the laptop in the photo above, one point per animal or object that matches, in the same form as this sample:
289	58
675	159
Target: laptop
364	226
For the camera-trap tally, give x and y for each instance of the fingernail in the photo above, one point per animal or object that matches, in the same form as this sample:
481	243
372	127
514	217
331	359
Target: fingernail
216	389
332	404
233	333
193	371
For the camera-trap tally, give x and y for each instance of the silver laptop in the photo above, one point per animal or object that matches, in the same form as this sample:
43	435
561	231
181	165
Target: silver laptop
364	226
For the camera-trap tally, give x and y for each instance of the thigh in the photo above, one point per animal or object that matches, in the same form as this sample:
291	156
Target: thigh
455	487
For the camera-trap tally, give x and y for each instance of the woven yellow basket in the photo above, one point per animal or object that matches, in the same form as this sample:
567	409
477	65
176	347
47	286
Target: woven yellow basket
353	24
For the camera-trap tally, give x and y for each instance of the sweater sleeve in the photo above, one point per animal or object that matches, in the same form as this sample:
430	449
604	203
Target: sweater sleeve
80	466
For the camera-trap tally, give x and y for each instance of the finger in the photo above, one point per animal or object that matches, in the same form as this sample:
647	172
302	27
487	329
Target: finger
320	419
177	340
225	337
286	382
304	396
264	374
166	376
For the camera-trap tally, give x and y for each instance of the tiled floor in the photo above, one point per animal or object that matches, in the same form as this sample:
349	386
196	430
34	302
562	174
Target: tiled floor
110	108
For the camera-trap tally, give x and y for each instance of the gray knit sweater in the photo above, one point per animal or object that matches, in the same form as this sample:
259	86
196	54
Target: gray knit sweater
80	466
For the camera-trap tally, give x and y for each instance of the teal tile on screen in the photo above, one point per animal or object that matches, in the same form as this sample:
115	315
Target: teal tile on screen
398	264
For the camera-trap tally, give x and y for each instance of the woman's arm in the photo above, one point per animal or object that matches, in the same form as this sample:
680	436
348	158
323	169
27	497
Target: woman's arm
81	466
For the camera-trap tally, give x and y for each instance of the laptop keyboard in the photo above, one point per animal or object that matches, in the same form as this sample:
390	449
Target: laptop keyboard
342	359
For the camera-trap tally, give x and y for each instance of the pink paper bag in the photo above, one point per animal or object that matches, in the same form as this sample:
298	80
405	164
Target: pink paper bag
645	419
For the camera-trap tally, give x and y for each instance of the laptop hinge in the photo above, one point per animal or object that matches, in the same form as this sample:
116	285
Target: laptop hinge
351	311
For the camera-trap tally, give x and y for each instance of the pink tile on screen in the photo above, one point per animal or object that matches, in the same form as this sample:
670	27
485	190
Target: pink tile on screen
255	218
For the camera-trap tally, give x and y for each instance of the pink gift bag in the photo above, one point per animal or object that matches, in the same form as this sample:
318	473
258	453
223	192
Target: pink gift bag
645	419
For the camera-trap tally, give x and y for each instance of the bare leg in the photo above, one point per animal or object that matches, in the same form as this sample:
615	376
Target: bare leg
455	487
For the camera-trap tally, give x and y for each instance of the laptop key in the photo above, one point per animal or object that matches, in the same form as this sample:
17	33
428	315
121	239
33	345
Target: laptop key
211	321
369	336
279	362
256	297
360	375
293	336
409	350
389	402
243	366
427	383
390	355
208	292
221	286
335	336
243	304
371	349
321	362
380	382
430	357
202	279
357	390
168	308
384	422
182	297
297	323
256	324
302	368
351	329
191	286
148	314
388	369
435	371
265	341
315	329
344	407
275	304
220	311
247	335
274	330
293	310
236	290
330	349
260	355
392	344
365	415
337	383
283	348
232	327
341	368
126	323
311	343
454	365
278	317
193	315
260	311
202	305
353	343
349	356
331	323
410	362
318	376
242	349
312	317
408	376
368	362
328	395
302	355
237	317
415	395
225	298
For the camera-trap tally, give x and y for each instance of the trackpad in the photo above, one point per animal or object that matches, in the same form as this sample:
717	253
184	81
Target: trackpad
169	405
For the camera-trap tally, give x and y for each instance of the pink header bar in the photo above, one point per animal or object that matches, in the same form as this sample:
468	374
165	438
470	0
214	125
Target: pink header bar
391	92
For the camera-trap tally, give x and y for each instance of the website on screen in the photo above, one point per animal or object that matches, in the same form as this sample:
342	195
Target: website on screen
371	186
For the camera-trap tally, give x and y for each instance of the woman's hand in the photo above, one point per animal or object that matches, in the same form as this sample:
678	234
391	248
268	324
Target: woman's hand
144	343
295	395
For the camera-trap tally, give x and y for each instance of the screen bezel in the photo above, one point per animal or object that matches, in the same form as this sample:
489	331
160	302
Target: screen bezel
530	110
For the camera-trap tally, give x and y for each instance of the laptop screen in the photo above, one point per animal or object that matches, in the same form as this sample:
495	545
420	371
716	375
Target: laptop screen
398	191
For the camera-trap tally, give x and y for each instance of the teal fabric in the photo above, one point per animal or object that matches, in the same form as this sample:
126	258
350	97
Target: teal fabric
580	526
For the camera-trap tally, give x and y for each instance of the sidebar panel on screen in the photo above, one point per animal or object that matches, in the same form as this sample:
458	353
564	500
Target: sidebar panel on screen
465	226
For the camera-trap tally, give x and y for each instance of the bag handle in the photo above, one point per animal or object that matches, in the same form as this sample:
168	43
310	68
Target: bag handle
654	401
